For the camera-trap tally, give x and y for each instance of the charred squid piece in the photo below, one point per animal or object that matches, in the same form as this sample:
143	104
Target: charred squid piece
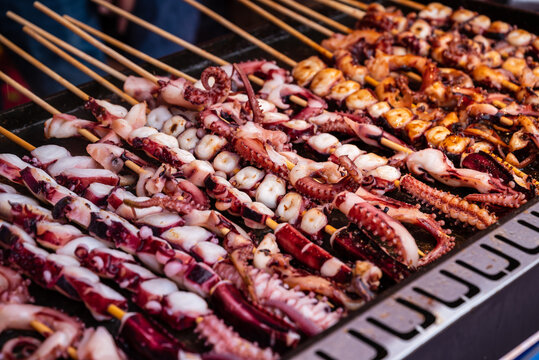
13	288
311	255
354	243
104	111
297	279
148	339
113	157
64	126
450	205
389	233
310	314
261	155
410	214
514	197
254	323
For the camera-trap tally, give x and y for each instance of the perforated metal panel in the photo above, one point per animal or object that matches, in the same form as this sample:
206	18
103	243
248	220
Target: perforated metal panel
433	301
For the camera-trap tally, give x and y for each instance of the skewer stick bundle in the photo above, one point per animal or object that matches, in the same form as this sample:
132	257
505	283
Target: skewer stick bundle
131	50
101	80
107	50
298	17
315	15
81	54
356	13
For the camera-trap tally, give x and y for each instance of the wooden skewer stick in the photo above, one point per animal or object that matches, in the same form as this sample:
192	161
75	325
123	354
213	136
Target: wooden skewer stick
411	4
287	28
131	50
348	10
70	59
356	3
81	54
107	50
297	17
161	32
220	19
315	15
38	64
46	331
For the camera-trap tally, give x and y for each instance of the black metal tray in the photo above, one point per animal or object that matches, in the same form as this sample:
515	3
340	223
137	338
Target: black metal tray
477	302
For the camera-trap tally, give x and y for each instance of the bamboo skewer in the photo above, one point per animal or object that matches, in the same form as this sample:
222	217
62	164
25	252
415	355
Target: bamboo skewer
107	50
81	54
131	50
315	15
348	10
297	17
356	3
411	4
38	64
46	331
241	32
287	28
101	80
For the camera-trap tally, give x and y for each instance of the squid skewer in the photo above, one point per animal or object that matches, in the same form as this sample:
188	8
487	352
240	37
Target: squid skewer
385	142
274	225
330	230
212	321
241	33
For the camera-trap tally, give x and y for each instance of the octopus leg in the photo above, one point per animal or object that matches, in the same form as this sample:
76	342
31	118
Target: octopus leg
451	205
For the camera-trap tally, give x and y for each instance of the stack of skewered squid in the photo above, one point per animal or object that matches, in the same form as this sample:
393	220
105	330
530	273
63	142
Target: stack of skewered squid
218	163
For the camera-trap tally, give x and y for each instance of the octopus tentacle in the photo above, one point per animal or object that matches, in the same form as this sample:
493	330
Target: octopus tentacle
13	288
213	93
253	102
502	199
254	152
170	203
227	341
449	204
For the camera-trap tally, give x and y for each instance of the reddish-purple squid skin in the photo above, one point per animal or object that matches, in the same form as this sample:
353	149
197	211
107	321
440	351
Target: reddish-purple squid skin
253	323
351	243
309	254
147	339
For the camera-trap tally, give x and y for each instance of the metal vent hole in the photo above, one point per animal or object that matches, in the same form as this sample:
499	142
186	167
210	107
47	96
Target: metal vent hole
323	355
528	225
524	249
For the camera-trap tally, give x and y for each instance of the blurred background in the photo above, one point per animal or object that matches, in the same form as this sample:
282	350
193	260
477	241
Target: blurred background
174	16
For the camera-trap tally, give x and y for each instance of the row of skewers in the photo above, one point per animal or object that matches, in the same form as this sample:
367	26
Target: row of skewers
287	160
